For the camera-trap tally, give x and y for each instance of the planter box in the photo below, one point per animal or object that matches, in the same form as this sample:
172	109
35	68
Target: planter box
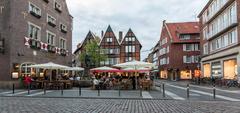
34	44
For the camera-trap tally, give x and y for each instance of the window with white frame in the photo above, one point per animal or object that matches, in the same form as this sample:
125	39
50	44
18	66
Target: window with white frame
130	49
51	19
34	31
57	6
33	8
50	38
222	21
63	43
185	37
109	40
205	49
130	39
187	59
164	61
225	40
63	27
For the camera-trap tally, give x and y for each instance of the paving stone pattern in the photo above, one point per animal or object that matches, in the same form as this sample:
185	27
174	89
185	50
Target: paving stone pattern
78	105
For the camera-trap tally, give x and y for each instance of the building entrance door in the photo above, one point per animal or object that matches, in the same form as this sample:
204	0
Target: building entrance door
174	76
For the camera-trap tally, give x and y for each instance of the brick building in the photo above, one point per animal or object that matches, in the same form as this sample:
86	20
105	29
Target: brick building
219	24
130	47
117	50
80	48
179	50
31	32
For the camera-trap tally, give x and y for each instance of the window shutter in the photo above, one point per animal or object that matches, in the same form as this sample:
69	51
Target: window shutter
196	47
184	59
184	47
193	47
193	59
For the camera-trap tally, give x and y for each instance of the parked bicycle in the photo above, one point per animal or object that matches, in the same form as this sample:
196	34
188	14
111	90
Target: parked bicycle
232	83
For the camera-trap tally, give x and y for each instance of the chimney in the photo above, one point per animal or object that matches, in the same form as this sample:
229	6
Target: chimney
164	22
120	36
102	34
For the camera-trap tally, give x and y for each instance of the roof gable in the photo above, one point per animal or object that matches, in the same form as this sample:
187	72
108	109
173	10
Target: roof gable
182	28
109	34
131	34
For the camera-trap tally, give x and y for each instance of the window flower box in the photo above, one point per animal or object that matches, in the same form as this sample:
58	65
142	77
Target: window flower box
63	52
35	14
34	44
51	49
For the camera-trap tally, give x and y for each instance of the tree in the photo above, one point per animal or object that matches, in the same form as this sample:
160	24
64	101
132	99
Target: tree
91	56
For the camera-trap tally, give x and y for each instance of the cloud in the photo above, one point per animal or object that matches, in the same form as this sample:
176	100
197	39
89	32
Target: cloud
143	16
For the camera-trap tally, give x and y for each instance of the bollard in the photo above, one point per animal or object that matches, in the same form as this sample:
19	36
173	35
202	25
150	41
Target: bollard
163	87
140	91
62	90
13	88
214	92
80	90
28	89
98	91
187	90
44	89
119	91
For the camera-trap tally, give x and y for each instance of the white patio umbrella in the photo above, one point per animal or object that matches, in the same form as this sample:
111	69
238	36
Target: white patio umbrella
74	69
50	66
135	65
104	69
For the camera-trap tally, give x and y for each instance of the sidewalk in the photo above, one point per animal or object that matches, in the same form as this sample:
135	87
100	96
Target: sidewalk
208	86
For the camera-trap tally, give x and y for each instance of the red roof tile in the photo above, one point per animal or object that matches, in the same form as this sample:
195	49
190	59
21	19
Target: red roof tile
182	28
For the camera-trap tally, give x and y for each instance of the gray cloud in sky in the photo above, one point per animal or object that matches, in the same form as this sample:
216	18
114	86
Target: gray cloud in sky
143	16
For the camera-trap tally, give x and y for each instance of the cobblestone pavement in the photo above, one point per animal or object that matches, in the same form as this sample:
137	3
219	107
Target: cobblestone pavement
77	105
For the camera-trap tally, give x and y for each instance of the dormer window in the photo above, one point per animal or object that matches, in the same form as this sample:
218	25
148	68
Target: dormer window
51	20
63	28
34	10
58	7
185	37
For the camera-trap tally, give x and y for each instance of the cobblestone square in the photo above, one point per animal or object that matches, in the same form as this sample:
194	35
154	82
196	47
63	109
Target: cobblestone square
78	105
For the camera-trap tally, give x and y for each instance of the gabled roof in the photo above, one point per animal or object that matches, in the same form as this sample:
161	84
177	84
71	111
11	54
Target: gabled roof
130	33
89	35
174	29
109	30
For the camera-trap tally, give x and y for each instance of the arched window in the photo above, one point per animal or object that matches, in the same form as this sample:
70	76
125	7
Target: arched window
25	69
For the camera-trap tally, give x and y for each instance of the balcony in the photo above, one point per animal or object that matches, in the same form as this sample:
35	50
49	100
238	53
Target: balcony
35	14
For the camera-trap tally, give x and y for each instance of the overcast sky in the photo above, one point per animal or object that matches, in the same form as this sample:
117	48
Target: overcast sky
143	16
